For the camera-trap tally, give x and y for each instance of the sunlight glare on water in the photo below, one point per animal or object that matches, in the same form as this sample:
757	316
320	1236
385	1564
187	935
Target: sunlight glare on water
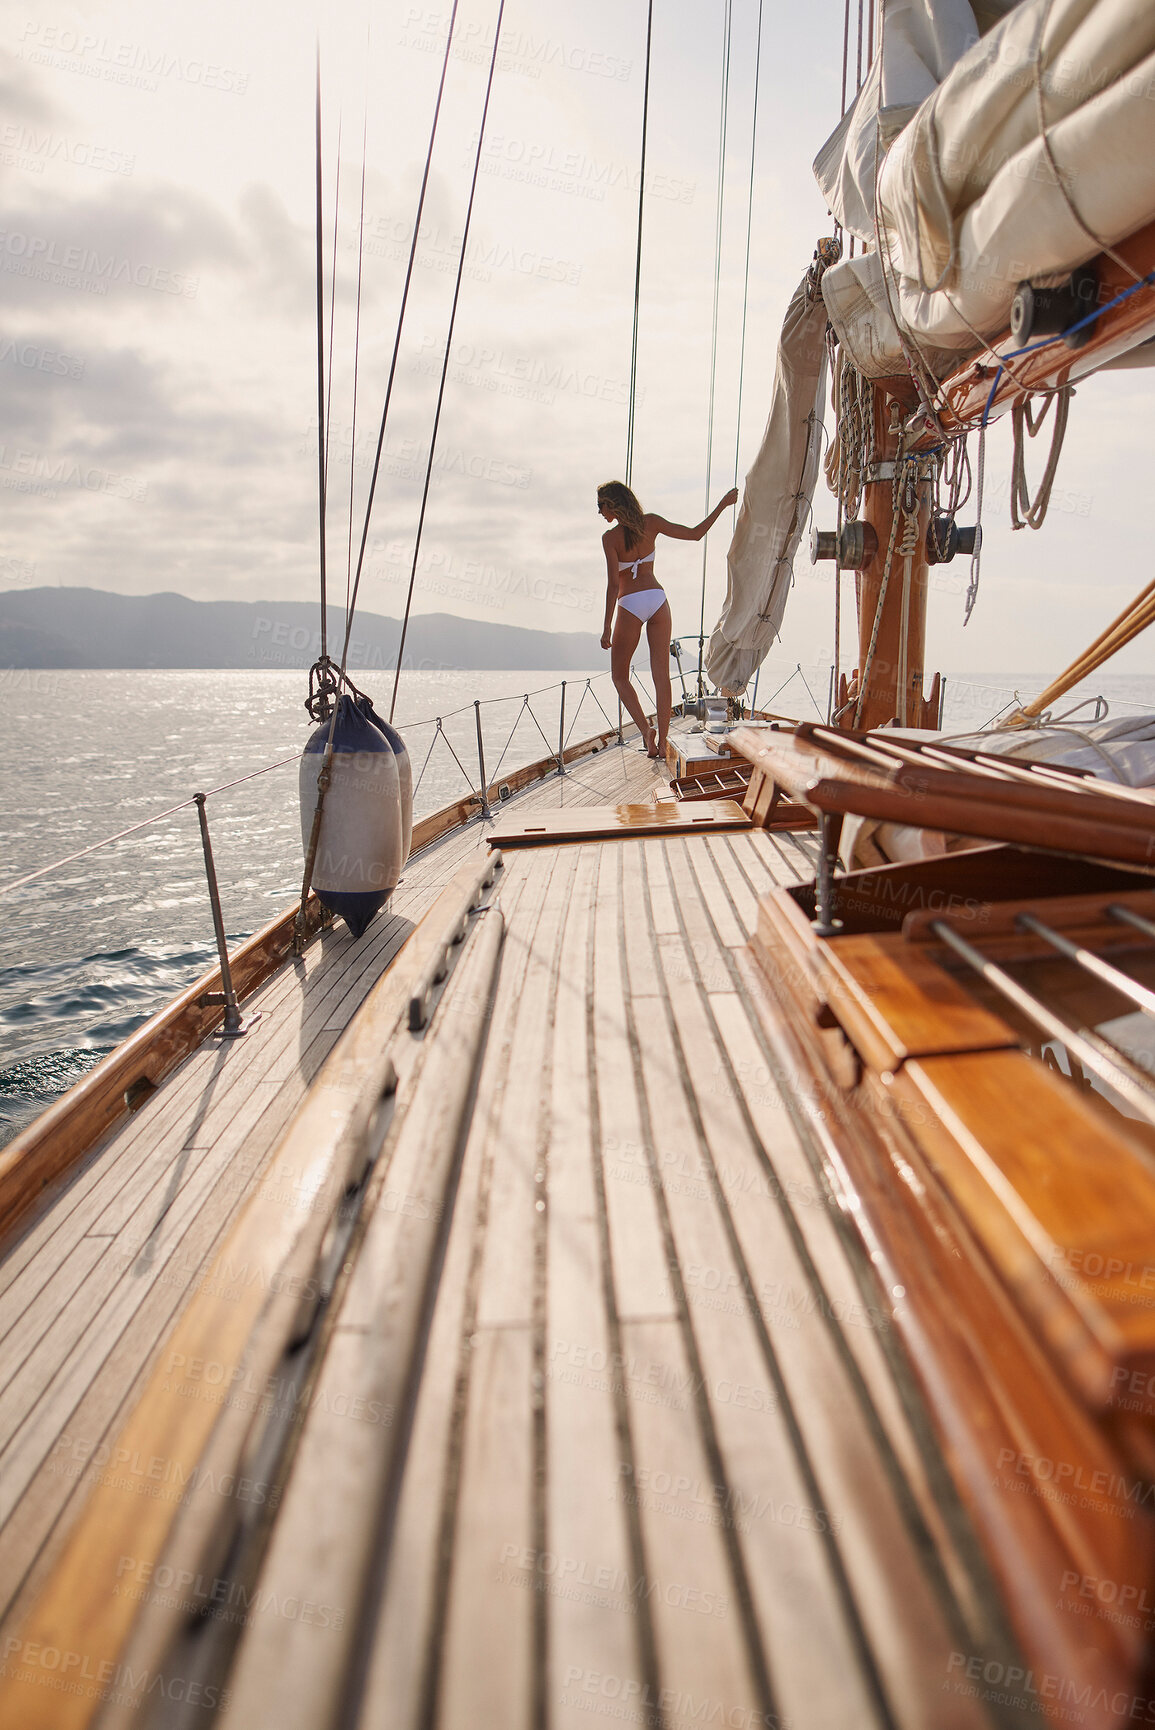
91	950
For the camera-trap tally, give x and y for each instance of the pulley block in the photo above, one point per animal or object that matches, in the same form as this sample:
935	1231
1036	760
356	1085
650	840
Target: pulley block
1039	311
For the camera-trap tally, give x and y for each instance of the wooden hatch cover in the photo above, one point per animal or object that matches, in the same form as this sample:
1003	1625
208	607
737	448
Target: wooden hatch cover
613	822
930	785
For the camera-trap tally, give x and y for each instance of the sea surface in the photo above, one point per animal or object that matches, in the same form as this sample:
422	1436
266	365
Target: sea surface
94	947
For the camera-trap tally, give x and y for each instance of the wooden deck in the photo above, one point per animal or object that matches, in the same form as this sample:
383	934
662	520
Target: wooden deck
609	1419
88	1294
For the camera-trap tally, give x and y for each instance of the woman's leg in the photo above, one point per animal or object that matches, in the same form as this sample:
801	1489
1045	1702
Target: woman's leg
658	632
626	637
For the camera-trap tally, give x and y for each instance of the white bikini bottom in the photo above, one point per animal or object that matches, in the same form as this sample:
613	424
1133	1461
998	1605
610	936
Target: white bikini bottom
644	603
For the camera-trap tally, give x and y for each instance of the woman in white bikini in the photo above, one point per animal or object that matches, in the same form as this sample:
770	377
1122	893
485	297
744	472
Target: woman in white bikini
632	587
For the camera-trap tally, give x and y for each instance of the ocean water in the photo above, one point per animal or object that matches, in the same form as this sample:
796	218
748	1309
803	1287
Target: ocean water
90	950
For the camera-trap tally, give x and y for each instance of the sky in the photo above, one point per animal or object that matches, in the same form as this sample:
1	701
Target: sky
158	318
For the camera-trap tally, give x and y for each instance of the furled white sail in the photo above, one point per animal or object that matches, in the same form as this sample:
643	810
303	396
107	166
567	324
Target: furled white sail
776	502
968	203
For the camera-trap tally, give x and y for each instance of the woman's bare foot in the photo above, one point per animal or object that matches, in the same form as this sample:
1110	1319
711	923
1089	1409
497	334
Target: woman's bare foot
662	749
650	741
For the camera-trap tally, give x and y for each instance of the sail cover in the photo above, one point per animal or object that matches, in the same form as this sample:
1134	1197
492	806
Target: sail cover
968	203
776	501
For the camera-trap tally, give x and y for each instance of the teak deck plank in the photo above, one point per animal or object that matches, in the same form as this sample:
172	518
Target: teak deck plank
486	1675
588	1470
764	1499
405	1622
323	1544
700	1655
507	1274
595	1626
640	1274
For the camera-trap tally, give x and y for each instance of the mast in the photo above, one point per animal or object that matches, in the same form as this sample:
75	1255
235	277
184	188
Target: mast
891	582
887	548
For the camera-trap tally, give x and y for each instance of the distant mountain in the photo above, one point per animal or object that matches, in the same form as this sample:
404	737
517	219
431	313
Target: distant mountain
92	628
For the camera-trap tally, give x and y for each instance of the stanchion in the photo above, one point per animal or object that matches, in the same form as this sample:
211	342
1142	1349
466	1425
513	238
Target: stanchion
561	734
481	761
234	1023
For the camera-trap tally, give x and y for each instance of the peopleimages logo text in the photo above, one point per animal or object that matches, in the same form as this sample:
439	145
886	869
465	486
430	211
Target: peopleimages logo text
85	261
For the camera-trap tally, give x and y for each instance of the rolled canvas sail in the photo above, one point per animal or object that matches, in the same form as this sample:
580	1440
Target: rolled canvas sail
776	501
968	203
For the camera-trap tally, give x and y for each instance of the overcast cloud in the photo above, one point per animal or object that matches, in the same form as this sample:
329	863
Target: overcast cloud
157	343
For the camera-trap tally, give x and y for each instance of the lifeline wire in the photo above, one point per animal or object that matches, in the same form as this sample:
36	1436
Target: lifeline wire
445	360
638	265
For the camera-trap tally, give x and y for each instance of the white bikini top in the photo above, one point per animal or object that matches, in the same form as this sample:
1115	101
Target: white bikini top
633	569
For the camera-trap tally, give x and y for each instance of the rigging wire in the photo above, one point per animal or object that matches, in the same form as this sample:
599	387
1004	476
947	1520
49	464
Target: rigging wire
749	231
357	340
638	264
397	334
322	429
445	359
333	299
724	106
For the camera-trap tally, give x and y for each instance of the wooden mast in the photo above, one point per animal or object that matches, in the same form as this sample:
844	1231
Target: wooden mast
890	673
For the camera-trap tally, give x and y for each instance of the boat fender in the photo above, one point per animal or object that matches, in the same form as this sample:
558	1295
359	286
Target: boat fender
359	849
404	771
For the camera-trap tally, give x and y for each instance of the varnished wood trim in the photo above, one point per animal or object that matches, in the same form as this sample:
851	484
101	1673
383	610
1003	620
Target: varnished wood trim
61	1135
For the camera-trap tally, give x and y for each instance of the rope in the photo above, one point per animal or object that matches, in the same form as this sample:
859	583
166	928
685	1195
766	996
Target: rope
322	425
448	346
976	555
397	334
1035	512
723	117
638	264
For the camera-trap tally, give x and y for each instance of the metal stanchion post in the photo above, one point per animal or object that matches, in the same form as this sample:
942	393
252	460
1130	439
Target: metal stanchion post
561	734
481	761
234	1024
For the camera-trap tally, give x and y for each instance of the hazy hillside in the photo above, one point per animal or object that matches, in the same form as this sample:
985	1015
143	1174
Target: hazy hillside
92	628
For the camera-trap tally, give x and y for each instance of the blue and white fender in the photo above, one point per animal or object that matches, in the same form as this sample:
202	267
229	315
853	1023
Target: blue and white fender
362	845
404	771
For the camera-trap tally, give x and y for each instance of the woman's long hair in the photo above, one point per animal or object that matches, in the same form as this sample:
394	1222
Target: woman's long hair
617	495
